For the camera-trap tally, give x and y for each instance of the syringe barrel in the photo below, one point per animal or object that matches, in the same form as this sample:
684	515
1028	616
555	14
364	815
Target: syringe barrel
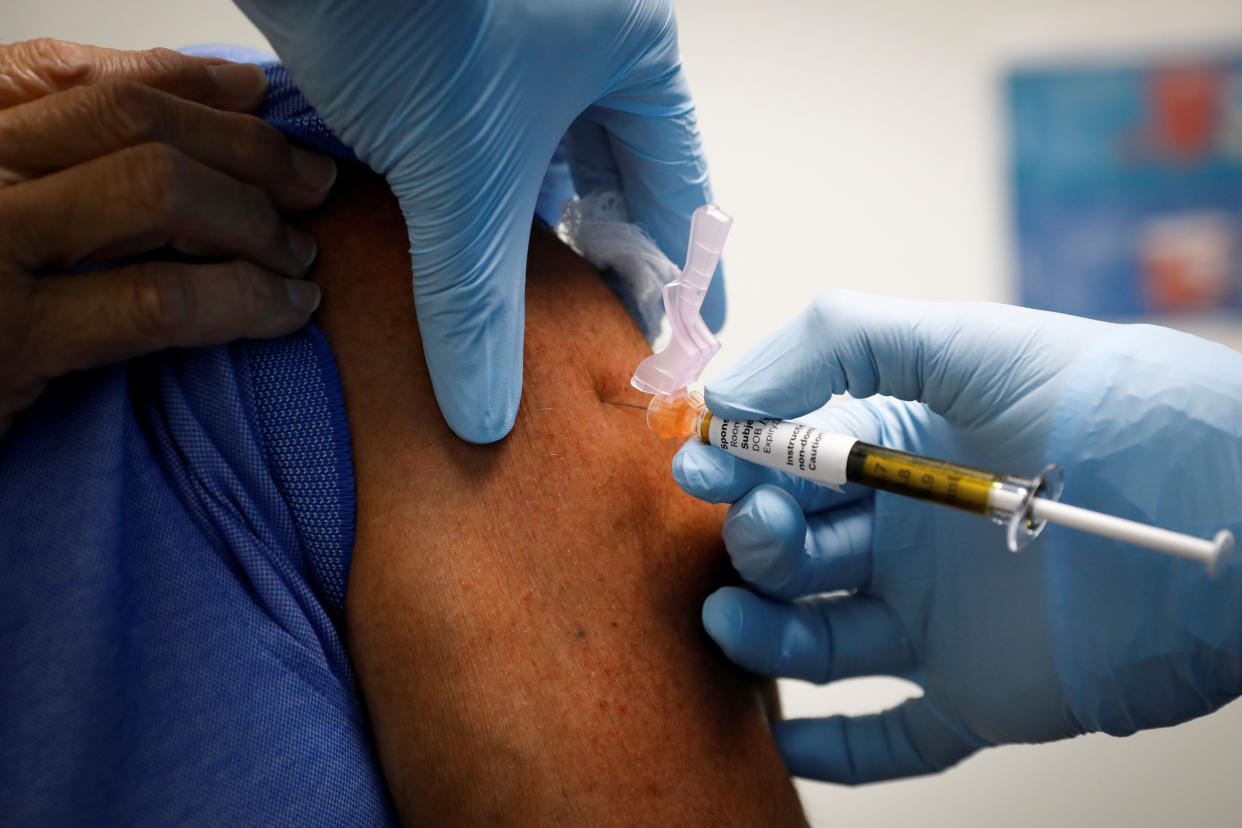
835	459
924	478
1023	505
800	450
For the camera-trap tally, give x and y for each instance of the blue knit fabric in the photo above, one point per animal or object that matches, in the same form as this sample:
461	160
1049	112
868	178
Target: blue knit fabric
285	108
175	539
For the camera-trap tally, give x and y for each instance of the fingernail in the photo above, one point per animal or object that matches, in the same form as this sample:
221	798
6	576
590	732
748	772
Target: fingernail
700	473
303	246
679	469
316	171
722	617
685	475
742	527
304	296
240	80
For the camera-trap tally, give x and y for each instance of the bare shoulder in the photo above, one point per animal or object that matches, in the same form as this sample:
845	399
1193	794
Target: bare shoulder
524	617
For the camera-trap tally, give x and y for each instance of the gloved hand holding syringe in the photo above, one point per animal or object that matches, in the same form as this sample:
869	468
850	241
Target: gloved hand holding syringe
1024	505
1085	634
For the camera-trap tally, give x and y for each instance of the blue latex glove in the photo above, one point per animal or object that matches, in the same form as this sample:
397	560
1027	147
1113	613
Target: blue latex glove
461	104
1075	634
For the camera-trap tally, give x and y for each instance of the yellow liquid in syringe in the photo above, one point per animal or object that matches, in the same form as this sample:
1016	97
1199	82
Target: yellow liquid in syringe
948	484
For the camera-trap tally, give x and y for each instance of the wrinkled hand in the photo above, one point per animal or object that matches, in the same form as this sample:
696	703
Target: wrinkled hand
461	104
107	154
1075	634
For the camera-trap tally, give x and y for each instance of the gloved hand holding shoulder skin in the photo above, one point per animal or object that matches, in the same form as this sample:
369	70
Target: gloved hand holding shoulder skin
1075	634
461	104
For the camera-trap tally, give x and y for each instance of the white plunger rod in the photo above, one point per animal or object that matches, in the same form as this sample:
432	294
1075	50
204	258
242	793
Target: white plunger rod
1162	540
1208	552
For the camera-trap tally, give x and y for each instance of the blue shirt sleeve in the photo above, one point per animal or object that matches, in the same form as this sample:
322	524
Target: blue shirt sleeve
176	542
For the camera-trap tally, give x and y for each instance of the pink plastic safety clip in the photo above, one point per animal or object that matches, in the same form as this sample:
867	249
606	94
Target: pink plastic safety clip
675	410
667	374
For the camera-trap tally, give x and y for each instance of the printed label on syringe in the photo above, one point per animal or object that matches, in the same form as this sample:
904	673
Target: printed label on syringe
790	447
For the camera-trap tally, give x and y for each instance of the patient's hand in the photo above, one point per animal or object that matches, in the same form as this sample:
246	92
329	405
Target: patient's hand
524	617
106	154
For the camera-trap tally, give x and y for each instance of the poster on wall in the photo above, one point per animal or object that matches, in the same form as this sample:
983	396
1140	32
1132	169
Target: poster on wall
1126	183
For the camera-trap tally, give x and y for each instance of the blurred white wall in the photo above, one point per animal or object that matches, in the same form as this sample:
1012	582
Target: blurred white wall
859	144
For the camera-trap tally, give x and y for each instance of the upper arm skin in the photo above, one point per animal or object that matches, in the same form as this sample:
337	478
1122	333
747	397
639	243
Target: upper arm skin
524	617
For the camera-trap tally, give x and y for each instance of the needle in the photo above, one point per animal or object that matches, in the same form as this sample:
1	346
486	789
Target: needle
627	405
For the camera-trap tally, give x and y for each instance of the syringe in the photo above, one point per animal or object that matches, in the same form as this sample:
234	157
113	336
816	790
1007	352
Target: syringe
1023	505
